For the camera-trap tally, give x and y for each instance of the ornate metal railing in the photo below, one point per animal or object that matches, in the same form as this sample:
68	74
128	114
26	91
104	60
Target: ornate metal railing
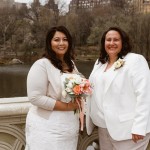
12	123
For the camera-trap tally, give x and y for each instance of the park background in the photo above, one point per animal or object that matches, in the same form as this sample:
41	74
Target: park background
23	27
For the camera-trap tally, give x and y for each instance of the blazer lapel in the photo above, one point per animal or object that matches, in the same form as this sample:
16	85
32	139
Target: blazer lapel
96	67
109	80
112	76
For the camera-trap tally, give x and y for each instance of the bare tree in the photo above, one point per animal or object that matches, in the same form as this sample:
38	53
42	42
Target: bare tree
124	6
9	23
54	9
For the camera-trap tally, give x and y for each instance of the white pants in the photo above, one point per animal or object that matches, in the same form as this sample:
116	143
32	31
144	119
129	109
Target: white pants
107	143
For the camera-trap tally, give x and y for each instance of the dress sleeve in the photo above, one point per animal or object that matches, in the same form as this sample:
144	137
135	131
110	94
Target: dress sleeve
37	85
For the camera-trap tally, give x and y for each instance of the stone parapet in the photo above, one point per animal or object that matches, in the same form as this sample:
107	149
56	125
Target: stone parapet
12	122
13	113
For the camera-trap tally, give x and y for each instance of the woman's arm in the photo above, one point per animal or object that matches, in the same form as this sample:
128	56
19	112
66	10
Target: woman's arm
37	85
141	83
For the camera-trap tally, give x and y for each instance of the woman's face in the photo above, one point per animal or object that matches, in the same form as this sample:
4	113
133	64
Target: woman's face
59	44
113	43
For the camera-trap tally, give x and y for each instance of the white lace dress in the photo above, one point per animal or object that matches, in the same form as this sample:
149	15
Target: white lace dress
58	131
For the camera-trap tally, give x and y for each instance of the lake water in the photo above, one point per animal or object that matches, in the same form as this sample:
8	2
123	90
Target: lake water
13	78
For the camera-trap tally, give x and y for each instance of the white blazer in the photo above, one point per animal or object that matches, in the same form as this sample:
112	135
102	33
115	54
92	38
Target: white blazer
126	111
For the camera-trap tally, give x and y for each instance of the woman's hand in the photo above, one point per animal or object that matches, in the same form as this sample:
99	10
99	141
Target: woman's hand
136	137
73	105
62	106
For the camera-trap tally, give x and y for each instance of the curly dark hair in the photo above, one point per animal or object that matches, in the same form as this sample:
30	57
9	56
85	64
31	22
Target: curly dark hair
51	55
126	46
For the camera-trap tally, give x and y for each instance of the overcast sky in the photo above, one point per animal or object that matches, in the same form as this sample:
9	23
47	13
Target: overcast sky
65	7
24	1
42	1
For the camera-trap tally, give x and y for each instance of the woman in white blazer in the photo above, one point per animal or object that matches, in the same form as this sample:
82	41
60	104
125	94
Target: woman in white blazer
51	123
120	103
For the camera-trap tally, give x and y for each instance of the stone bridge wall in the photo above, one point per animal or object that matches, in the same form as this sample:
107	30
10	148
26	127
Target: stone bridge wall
12	124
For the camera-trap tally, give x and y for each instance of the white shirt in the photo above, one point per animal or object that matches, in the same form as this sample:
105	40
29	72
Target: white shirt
99	83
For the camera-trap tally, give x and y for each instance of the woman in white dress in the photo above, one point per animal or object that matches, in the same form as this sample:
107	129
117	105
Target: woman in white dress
51	123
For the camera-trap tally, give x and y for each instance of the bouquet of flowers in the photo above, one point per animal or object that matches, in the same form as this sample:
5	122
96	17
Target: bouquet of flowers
76	86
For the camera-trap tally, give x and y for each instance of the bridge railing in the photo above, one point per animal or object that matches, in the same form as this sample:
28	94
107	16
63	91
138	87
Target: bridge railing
13	113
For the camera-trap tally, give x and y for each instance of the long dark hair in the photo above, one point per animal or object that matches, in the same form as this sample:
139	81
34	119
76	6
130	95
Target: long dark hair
126	46
51	55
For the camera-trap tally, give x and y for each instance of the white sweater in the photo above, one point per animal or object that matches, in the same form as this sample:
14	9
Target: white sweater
43	84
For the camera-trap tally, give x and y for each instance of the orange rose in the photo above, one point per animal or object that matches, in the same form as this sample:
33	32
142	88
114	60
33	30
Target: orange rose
77	89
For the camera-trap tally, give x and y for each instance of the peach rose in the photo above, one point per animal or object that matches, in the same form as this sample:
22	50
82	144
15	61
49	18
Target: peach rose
77	89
